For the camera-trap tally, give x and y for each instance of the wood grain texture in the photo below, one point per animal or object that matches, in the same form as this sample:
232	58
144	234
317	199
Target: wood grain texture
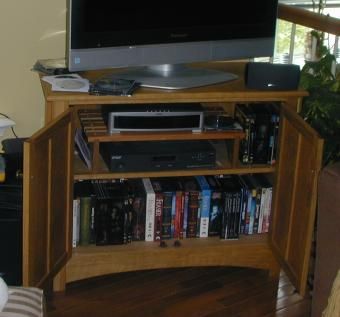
48	188
309	19
189	292
95	261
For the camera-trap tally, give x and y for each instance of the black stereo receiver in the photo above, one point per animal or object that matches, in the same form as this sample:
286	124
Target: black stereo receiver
157	155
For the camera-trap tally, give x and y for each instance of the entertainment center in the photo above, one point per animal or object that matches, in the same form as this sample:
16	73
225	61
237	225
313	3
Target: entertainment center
51	168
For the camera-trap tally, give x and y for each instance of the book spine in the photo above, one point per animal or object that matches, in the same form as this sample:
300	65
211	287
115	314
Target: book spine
237	214
128	219
252	211
92	221
226	214
76	222
245	143
262	209
204	206
150	210
267	209
185	214
173	215
158	216
215	214
166	217
85	216
178	228
192	214
138	228
257	209
243	208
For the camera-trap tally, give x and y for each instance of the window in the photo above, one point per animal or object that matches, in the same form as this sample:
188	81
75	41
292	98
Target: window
292	45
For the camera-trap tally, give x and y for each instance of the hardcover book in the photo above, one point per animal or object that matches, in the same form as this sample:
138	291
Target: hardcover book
204	206
232	201
113	213
167	187
216	206
247	121
192	189
138	208
150	210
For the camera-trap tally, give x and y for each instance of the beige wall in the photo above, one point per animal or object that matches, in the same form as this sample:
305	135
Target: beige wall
29	30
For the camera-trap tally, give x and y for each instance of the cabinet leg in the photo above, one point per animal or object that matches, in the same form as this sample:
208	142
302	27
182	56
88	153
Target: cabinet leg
59	281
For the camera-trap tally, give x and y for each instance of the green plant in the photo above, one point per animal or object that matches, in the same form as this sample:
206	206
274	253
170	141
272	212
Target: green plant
322	107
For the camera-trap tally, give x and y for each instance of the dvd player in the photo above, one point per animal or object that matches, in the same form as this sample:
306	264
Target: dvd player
157	155
154	117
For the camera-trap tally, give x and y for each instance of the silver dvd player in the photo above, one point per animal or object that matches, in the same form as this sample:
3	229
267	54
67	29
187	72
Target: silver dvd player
154	117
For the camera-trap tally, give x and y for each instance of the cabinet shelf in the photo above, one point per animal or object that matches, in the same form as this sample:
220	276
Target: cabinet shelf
167	136
225	167
249	251
96	131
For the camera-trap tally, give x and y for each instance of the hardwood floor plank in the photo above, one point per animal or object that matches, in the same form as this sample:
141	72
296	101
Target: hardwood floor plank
189	292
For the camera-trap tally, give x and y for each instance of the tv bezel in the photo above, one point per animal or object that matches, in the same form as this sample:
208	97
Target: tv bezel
161	50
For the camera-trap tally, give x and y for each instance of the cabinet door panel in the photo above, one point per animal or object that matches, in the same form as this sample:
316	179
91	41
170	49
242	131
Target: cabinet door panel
47	201
295	195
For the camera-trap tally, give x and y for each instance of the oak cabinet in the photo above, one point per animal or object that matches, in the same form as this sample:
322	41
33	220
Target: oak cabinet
50	168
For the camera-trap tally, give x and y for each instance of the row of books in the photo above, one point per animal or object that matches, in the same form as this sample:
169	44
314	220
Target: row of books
156	209
260	122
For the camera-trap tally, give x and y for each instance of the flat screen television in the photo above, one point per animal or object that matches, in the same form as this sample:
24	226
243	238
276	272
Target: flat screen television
155	43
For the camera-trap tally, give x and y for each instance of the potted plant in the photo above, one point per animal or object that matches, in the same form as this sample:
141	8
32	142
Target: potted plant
321	78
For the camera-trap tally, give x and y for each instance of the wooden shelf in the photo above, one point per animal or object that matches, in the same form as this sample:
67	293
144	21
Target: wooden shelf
223	167
96	131
249	251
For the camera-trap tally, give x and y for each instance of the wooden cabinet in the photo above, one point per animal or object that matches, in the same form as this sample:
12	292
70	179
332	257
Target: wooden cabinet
51	169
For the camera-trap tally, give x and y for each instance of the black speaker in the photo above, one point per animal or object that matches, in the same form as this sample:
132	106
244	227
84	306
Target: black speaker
268	76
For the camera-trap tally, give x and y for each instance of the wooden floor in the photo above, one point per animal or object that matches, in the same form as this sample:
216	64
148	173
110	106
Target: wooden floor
199	292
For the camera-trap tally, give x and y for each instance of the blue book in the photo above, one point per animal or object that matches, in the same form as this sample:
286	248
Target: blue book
204	206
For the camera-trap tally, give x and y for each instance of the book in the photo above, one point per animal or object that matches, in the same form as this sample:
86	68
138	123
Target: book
192	190
266	201
273	132
167	187
139	208
247	121
251	203
216	206
112	213
76	222
262	122
85	216
150	210
231	188
244	206
159	197
204	206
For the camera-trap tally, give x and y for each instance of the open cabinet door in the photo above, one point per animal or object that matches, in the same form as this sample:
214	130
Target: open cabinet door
48	190
300	158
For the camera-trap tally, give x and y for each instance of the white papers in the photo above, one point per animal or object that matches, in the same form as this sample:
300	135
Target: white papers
4	124
68	82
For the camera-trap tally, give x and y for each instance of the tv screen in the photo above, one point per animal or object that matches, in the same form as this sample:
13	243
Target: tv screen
164	36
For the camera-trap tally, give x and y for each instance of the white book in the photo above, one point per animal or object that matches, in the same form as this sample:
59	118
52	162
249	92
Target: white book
76	222
150	210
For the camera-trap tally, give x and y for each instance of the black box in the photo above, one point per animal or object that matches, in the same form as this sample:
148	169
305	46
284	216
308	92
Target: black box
159	155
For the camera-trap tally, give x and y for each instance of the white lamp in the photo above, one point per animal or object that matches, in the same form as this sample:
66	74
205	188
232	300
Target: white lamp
4	124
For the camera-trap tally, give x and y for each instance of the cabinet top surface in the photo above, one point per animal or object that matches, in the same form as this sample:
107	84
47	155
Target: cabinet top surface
230	91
